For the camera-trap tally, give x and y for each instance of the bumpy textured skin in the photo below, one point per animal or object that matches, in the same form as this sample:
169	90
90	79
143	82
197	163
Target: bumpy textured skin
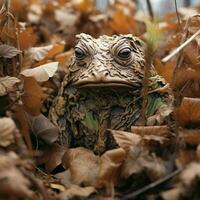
101	91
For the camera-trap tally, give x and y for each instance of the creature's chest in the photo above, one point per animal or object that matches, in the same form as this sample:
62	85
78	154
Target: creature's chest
92	110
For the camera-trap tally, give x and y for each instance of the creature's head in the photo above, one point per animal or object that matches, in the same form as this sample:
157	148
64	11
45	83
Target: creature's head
107	61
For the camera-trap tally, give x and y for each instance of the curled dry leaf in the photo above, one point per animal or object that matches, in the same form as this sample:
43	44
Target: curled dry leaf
126	140
109	172
189	111
39	53
52	158
41	73
7	84
8	51
43	128
139	157
7	127
80	161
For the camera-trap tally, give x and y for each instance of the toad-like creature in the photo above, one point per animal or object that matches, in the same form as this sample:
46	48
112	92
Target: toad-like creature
102	91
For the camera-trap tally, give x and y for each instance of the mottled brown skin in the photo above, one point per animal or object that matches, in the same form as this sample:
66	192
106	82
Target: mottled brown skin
101	91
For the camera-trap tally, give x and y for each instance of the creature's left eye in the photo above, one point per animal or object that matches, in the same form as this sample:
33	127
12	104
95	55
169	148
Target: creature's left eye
79	53
124	53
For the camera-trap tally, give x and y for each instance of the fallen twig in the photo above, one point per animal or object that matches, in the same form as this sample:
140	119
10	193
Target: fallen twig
151	185
177	14
37	183
173	53
150	9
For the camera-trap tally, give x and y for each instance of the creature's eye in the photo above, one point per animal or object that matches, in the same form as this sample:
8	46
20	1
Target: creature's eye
124	53
79	53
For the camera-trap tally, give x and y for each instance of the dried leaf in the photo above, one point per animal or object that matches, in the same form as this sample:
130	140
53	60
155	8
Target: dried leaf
84	6
57	48
35	13
7	84
41	73
65	18
110	163
185	157
64	58
122	23
7	127
43	128
191	174
126	140
172	194
52	158
191	136
80	170
27	38
8	51
33	96
39	53
13	183
23	125
75	191
189	111
150	130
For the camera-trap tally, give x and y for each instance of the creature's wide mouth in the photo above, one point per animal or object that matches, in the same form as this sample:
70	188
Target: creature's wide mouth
122	83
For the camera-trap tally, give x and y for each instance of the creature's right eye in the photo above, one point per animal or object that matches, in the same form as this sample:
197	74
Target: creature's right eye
79	53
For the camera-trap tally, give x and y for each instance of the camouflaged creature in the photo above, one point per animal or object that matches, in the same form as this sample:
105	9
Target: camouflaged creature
103	91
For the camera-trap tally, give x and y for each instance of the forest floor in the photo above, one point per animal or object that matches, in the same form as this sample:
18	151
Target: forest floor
153	162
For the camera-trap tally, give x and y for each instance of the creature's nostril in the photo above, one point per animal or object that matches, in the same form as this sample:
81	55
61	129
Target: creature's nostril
93	74
106	73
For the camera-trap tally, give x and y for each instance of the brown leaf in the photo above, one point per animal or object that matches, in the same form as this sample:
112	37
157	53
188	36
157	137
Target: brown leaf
122	23
172	194
126	140
84	6
191	136
39	53
13	183
185	157
75	191
80	161
139	159
57	48
33	96
53	157
64	58
41	73
189	111
7	84
43	128
8	51
27	38
191	174
150	130
110	163
7	127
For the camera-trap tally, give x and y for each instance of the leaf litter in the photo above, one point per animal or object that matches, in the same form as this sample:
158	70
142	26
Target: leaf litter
159	160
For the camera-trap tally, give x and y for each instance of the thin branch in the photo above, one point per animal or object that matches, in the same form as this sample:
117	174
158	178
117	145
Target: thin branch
151	185
150	10
37	183
145	85
177	14
177	50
